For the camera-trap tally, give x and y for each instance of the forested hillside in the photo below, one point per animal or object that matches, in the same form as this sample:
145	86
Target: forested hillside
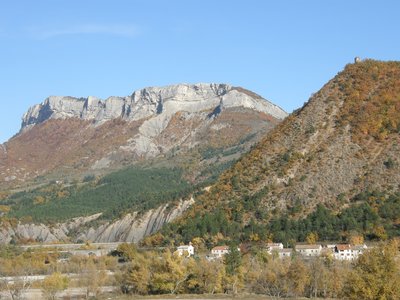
330	169
130	189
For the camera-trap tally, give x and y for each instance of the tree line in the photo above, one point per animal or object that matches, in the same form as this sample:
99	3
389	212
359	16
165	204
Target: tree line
374	275
372	215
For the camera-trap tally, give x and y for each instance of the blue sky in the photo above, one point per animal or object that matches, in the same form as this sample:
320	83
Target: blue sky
282	50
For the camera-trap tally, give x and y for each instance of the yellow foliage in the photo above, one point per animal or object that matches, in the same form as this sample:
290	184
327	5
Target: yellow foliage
153	240
376	275
254	237
369	107
312	238
380	232
4	208
53	284
356	239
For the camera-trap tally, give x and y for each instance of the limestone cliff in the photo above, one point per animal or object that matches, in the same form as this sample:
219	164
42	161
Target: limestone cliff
131	228
70	136
154	105
149	102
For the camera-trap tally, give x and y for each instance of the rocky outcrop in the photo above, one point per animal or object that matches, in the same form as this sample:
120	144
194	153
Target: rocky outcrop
134	227
41	232
131	228
149	102
154	107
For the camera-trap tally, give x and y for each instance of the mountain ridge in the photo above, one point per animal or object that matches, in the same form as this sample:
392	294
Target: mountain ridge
142	103
339	151
89	134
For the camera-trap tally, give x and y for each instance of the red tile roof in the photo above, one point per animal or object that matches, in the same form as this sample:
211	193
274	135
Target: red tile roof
343	247
220	248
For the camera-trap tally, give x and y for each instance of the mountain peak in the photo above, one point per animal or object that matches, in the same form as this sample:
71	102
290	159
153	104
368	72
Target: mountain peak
148	102
154	122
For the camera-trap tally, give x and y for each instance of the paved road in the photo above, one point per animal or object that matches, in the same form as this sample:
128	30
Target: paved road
108	246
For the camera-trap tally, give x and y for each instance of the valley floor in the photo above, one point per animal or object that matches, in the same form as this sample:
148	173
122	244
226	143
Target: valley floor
192	297
109	292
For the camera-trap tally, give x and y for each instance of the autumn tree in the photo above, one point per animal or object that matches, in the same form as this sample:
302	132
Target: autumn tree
20	269
168	273
298	277
54	284
206	276
136	278
126	251
312	238
376	275
273	280
319	277
92	276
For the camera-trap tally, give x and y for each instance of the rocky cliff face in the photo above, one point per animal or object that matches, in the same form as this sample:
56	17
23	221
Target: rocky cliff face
131	228
76	135
148	102
155	106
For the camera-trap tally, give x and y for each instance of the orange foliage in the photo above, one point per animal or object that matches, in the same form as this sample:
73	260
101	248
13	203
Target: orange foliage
372	98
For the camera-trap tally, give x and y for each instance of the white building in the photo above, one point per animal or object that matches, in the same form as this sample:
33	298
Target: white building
220	251
274	246
309	250
284	252
348	252
187	250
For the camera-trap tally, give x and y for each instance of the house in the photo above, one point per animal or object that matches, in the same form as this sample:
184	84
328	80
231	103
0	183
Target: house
309	250
220	251
348	252
274	246
284	252
187	250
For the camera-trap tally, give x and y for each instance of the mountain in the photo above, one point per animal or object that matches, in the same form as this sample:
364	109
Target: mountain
330	168
125	165
66	135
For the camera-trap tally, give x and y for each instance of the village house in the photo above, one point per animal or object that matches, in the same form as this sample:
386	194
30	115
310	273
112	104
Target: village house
187	250
284	252
219	251
274	246
309	250
348	252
